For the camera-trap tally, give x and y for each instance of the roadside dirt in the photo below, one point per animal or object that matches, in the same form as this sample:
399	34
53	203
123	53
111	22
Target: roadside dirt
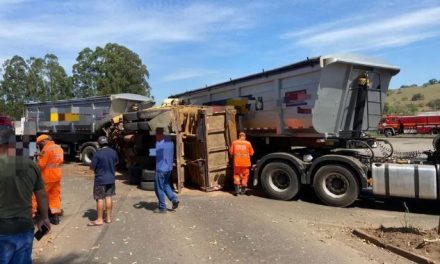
411	239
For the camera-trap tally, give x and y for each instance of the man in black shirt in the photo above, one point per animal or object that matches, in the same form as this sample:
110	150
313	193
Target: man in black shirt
104	164
19	178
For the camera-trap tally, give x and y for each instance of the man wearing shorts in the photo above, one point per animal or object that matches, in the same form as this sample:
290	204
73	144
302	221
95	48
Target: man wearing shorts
104	165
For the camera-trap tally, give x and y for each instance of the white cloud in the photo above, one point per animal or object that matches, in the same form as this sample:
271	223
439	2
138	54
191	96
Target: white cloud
73	25
352	35
187	74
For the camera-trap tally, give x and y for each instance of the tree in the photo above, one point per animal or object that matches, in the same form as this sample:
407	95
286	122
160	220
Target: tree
432	81
85	74
109	70
59	85
14	90
417	97
48	80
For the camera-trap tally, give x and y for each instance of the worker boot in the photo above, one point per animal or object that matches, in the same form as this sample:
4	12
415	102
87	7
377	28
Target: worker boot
243	191
54	219
237	190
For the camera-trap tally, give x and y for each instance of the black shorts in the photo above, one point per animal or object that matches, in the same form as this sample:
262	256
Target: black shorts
100	191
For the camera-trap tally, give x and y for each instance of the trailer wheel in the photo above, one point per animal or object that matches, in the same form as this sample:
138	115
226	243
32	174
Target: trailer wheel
388	132
280	181
434	131
336	185
87	154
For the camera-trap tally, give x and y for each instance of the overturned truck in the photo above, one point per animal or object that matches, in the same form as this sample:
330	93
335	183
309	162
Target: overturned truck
202	136
309	124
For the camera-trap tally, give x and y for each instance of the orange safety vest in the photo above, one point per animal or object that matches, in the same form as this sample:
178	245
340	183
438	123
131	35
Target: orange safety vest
242	151
50	161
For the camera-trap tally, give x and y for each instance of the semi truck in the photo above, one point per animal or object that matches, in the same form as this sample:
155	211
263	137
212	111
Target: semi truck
77	123
391	125
309	124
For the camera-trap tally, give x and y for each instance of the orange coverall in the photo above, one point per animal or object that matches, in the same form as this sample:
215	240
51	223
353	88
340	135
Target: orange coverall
242	151
49	163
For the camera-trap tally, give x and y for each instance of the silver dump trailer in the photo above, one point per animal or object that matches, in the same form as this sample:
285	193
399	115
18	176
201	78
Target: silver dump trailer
77	123
309	124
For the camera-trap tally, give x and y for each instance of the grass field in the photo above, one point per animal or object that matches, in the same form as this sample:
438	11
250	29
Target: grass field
399	99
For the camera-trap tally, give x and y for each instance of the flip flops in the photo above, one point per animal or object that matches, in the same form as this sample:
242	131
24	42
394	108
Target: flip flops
93	223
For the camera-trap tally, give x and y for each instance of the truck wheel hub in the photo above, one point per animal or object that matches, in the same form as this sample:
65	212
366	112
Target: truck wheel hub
279	181
336	185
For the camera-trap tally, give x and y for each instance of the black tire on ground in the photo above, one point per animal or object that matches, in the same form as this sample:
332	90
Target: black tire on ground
388	132
143	126
335	185
147	185
134	175
147	115
280	181
131	127
131	116
87	154
434	131
148	175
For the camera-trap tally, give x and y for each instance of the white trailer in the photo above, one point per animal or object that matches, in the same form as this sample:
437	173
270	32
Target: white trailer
308	123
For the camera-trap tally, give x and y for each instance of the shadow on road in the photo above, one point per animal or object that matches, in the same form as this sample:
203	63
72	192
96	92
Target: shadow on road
429	207
91	214
146	205
366	201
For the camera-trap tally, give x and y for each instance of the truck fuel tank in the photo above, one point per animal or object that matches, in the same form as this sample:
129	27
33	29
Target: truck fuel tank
405	180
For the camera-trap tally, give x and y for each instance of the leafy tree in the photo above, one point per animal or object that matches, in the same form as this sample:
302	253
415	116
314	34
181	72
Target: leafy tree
417	97
36	85
85	74
14	86
58	84
48	80
109	70
432	81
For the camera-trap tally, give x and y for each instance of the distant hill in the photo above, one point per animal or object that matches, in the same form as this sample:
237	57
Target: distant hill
412	100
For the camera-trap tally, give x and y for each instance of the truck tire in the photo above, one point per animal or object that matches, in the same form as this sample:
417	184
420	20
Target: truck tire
280	181
434	131
131	127
147	185
143	126
388	132
336	185
134	175
148	175
131	116
87	154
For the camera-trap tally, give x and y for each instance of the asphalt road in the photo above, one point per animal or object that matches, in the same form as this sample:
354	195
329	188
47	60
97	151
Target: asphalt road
220	228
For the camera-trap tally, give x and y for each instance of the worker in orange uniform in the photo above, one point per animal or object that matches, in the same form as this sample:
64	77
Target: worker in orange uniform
242	151
49	160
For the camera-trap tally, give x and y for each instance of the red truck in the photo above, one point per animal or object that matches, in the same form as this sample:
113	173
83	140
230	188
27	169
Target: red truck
424	124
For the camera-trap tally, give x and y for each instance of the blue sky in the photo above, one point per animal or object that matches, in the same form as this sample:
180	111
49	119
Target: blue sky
188	44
